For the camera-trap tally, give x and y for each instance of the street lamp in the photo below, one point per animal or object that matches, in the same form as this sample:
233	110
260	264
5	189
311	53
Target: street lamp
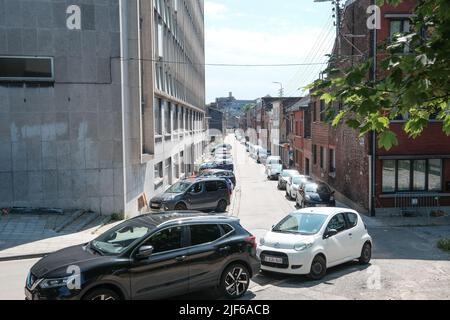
281	92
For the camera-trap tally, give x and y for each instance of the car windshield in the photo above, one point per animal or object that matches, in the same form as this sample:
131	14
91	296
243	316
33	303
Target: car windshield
119	239
317	188
274	161
297	180
179	187
289	173
301	223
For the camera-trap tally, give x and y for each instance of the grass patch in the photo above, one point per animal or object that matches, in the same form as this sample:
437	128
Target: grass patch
444	244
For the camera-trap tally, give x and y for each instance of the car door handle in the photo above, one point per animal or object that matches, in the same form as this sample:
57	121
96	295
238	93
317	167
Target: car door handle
180	258
223	249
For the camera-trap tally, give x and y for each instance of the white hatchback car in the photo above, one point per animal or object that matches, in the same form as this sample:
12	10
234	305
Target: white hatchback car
309	241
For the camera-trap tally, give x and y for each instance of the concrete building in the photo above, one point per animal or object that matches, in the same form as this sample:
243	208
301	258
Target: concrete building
216	121
94	113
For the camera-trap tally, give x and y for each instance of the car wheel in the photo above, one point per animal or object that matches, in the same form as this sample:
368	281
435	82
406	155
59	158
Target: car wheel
102	294
366	254
318	268
222	206
180	207
235	281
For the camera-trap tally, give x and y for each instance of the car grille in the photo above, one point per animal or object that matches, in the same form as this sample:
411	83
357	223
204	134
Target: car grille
284	256
155	205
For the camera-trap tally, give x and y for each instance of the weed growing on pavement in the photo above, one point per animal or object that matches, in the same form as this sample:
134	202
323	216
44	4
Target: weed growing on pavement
444	244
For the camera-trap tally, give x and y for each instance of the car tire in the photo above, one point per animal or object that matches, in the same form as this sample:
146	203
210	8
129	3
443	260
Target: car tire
180	207
366	254
222	206
318	268
102	294
235	281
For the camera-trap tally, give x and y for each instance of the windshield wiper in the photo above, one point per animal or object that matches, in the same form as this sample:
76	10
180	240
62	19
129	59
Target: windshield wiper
95	249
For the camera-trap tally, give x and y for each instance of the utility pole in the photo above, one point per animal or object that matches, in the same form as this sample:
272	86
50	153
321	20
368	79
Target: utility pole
337	14
281	91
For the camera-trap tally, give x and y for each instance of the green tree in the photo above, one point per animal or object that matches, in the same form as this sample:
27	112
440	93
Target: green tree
416	84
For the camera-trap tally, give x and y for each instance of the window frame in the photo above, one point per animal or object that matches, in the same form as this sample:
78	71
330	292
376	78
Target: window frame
31	79
222	235
184	241
411	176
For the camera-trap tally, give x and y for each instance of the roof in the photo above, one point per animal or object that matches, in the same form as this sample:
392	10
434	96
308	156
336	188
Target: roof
325	210
158	220
301	104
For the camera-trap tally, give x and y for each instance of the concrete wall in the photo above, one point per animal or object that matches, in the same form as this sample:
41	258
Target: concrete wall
61	144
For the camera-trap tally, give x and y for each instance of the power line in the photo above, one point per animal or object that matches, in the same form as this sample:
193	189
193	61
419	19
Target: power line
225	64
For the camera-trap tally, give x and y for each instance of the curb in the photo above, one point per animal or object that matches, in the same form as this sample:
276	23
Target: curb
24	257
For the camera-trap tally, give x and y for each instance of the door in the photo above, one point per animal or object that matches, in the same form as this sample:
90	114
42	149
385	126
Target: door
196	196
307	170
165	272
337	247
206	256
212	194
355	232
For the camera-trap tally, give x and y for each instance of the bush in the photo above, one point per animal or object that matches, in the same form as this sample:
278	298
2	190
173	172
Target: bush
117	217
444	244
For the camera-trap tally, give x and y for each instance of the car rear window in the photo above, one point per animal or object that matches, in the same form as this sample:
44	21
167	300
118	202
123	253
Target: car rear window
205	233
221	185
226	228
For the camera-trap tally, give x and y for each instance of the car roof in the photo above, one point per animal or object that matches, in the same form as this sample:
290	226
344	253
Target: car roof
325	210
176	217
217	171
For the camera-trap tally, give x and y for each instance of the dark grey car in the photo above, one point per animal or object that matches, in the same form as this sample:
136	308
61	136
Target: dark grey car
202	194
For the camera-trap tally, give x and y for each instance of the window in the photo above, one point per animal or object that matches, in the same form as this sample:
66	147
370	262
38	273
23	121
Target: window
322	110
226	228
419	172
197	188
352	219
332	161
314	152
160	40
166	240
307	124
314	112
337	223
404	175
322	157
159	171
221	185
412	175
389	176
158	118
211	186
435	175
167	124
26	69
399	27
202	234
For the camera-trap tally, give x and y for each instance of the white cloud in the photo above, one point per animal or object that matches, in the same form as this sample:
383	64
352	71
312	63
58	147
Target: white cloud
215	10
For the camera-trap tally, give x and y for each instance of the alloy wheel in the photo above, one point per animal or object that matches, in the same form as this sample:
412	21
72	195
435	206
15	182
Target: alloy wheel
105	297
236	281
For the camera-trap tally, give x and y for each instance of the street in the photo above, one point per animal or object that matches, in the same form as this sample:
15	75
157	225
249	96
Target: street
406	263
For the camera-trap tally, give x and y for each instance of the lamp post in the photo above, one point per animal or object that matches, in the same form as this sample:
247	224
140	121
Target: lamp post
281	92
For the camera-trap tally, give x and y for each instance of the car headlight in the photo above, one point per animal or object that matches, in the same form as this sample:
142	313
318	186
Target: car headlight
54	283
262	241
302	246
308	197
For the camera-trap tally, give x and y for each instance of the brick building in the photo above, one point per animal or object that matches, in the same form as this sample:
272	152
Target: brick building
415	175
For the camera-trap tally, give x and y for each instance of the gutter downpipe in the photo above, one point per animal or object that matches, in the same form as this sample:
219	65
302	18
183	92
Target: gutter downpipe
374	136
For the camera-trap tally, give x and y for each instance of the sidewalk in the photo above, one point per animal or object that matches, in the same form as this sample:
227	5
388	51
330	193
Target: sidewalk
34	235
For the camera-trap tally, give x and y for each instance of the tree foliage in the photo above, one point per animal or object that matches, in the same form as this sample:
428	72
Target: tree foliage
415	85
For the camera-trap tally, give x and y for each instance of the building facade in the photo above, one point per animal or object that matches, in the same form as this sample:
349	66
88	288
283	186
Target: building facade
411	177
94	112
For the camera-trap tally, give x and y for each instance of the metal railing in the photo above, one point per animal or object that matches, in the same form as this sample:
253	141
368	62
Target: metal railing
417	204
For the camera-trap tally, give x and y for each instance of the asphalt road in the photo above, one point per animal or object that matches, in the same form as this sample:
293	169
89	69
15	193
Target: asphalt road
406	263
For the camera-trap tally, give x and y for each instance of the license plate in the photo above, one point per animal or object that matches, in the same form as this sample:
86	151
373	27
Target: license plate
155	206
28	294
273	260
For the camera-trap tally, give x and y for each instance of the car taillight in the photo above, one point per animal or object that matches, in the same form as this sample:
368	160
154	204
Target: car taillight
252	241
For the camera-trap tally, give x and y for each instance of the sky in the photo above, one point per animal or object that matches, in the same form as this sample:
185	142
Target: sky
265	32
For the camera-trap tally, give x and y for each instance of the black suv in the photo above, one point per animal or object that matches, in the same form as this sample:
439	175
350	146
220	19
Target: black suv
202	194
151	257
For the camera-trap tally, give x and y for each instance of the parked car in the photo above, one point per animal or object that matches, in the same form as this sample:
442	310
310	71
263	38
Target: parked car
293	185
274	171
309	241
220	174
261	155
203	194
206	166
151	257
315	195
227	147
224	164
284	177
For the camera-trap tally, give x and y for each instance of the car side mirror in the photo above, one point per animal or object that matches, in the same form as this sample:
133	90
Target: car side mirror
330	233
144	252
